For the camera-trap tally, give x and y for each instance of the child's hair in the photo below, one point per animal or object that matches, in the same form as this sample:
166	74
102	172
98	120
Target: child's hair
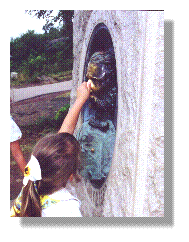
58	156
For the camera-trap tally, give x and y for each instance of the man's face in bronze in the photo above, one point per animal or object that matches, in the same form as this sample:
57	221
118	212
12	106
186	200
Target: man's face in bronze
96	73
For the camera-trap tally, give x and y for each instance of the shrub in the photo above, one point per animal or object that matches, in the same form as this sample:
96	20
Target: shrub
61	114
35	65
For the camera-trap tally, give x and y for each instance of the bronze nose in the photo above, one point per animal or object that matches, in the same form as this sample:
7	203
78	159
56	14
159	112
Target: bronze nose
92	150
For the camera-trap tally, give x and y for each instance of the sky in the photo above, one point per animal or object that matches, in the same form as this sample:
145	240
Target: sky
21	22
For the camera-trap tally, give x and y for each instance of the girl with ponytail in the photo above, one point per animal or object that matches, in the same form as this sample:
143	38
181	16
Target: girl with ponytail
55	158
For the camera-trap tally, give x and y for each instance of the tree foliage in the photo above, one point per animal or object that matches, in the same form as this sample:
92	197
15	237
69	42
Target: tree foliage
49	52
64	16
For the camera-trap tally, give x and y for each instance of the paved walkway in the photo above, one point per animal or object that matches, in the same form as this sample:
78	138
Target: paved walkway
29	92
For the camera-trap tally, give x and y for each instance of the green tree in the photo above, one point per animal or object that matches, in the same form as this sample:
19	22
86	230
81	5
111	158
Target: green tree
50	52
22	48
66	31
63	16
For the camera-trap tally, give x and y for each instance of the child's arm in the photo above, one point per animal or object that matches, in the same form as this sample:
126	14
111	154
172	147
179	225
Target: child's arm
70	121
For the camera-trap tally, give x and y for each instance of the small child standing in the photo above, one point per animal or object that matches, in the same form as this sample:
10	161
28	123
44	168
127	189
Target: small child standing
55	158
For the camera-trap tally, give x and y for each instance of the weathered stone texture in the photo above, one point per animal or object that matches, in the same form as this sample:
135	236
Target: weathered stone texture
154	203
130	37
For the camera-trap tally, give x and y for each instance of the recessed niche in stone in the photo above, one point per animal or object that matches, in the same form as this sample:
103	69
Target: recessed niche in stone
98	131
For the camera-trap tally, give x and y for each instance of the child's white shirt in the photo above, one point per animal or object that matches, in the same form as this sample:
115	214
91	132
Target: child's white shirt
67	205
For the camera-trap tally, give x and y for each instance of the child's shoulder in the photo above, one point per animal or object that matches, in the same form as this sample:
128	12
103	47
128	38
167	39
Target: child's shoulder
60	204
63	195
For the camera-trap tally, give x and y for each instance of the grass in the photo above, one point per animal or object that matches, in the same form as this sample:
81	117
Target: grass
61	76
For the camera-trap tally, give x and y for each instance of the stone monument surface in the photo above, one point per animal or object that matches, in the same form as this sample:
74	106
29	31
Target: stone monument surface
135	182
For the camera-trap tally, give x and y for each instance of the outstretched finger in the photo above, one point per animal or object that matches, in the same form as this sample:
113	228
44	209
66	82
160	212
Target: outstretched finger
89	85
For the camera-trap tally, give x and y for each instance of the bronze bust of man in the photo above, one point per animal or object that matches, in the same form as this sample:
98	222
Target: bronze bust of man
97	134
101	72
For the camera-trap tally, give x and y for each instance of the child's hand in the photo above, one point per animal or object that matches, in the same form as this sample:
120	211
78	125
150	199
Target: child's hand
83	91
70	121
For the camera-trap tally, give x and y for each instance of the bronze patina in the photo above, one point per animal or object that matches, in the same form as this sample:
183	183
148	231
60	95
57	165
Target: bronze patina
101	72
97	135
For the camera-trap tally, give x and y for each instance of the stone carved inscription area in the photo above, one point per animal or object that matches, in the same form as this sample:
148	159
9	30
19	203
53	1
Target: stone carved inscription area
97	134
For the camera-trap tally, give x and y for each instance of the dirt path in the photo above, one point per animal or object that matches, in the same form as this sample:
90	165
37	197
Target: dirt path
28	112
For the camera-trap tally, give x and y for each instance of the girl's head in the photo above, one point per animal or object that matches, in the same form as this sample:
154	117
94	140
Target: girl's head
58	157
